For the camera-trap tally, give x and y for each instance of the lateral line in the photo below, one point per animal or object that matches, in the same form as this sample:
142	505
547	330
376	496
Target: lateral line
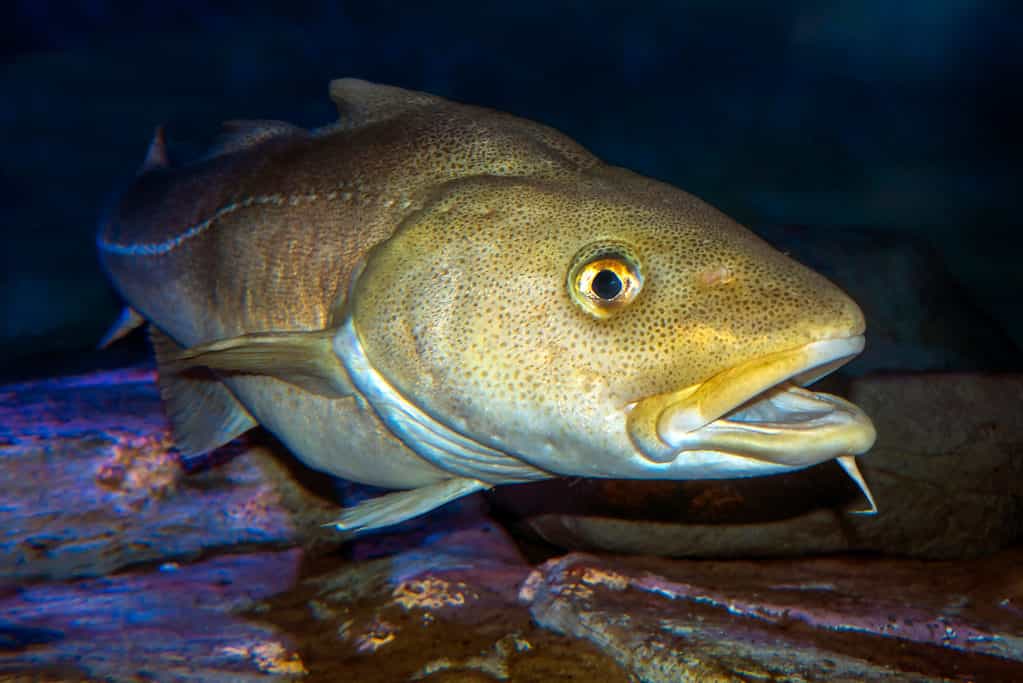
166	246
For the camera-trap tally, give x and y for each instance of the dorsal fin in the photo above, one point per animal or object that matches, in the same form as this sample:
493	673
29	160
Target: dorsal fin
203	412
360	103
156	155
243	134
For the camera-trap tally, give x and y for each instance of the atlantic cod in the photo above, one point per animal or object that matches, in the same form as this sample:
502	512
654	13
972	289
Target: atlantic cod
441	298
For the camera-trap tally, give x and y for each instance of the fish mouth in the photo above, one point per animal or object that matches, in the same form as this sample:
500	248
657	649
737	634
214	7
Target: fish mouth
758	410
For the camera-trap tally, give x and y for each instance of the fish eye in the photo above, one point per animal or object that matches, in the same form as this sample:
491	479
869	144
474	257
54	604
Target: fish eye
605	278
606	284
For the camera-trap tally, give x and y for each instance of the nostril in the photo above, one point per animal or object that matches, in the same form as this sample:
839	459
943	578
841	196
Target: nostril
719	275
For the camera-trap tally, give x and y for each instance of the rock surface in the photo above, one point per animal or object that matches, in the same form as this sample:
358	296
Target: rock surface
174	623
90	484
194	584
438	606
836	619
947	474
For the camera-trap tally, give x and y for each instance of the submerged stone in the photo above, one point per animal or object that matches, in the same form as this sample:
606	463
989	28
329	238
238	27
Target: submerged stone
190	581
92	484
838	619
175	623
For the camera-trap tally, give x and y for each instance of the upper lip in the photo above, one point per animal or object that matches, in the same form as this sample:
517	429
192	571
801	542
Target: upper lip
756	409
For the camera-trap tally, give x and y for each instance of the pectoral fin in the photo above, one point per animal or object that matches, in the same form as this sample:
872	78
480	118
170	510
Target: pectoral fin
305	359
203	413
392	508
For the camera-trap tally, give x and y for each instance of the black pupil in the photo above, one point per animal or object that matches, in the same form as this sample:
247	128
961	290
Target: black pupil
606	285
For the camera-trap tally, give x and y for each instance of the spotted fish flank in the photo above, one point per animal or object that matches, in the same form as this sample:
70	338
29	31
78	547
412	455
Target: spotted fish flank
439	298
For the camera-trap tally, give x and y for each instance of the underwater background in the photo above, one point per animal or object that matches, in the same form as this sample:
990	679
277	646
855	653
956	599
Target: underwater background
834	117
876	142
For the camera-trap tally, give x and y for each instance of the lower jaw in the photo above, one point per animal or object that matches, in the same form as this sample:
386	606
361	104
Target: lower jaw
793	441
834	427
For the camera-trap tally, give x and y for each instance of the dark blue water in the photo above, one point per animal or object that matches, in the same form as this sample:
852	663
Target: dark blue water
898	117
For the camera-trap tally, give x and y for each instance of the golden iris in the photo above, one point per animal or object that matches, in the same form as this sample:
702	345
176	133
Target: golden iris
605	278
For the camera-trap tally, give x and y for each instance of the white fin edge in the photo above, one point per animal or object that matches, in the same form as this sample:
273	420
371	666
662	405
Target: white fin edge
848	464
392	508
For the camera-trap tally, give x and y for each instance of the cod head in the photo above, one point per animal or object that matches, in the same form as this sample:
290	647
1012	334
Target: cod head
609	326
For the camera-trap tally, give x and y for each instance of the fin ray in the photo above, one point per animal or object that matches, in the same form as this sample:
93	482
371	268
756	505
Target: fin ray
392	508
156	156
129	320
305	359
848	463
203	412
360	103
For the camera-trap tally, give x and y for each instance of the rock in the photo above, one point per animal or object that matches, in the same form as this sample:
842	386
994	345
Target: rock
175	624
947	473
948	464
437	605
460	604
835	619
91	484
92	487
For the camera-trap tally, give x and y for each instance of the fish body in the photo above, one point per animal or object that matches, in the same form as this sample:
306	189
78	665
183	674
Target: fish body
439	298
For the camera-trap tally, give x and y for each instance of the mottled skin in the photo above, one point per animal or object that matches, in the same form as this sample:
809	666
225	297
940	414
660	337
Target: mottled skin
466	222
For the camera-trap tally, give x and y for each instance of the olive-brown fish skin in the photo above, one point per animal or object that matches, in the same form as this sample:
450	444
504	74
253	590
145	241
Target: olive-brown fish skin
453	227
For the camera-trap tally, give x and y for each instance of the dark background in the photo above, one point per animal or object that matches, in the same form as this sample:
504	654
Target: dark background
874	140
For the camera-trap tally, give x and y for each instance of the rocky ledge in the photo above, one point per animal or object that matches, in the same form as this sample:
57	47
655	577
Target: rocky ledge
120	562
